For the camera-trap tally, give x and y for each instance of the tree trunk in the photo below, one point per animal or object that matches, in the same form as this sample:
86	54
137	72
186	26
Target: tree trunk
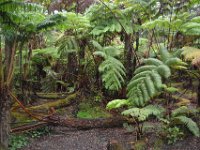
83	124
198	94
6	80
129	60
72	67
5	105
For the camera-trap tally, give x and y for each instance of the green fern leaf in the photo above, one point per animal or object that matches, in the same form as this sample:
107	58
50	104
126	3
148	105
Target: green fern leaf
153	61
117	103
143	113
183	110
145	68
189	123
164	71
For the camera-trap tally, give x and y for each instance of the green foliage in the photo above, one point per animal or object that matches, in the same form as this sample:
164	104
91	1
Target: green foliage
188	122
173	134
38	133
182	116
143	113
49	83
88	111
18	141
51	21
66	45
183	110
117	103
113	71
147	81
75	22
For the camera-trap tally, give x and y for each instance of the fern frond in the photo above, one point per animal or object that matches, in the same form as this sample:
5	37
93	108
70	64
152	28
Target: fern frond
145	68
189	123
113	73
164	71
183	110
173	62
143	113
157	80
117	103
66	45
164	54
153	61
150	87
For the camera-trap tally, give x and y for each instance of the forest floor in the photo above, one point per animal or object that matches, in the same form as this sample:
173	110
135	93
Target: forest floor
99	139
63	138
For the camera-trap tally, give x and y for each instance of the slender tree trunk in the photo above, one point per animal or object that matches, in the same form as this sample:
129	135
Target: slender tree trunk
72	67
129	65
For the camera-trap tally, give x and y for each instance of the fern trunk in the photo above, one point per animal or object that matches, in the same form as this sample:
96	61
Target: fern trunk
129	59
72	67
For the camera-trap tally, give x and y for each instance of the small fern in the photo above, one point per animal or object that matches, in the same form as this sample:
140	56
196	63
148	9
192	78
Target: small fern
189	123
143	113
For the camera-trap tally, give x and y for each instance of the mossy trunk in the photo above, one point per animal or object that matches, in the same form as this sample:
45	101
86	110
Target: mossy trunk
7	69
5	105
83	124
129	59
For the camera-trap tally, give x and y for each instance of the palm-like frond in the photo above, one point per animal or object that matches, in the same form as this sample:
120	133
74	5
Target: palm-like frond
147	81
66	45
143	113
113	71
189	123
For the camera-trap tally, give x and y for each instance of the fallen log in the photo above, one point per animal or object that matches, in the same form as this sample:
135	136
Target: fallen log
87	123
81	124
55	104
51	95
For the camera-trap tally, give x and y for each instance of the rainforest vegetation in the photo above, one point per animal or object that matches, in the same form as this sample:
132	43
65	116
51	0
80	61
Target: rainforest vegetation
125	67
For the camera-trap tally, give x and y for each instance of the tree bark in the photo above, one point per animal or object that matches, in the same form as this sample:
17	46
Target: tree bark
5	105
129	60
83	124
198	94
5	99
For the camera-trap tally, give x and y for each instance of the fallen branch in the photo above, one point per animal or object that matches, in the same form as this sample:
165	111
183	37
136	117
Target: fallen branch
28	127
87	123
55	104
81	124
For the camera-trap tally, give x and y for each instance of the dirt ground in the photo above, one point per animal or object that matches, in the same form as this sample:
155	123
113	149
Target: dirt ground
99	139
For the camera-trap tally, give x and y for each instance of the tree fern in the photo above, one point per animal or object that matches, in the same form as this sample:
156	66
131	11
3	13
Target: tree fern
147	81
